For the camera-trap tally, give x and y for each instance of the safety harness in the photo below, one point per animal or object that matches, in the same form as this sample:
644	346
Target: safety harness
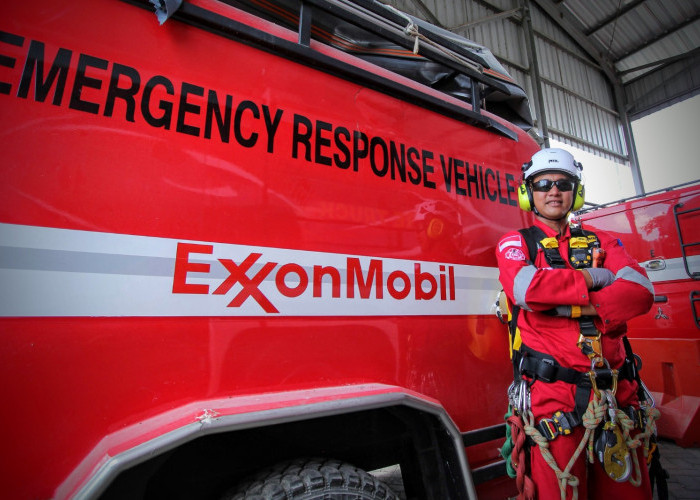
538	366
599	415
584	248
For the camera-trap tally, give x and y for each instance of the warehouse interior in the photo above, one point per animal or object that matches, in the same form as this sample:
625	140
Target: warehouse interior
590	68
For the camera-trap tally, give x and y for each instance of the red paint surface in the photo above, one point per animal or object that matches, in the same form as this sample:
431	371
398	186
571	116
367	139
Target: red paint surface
69	382
667	337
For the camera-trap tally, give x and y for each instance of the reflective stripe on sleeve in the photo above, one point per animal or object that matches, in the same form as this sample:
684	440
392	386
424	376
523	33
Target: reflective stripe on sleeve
630	274
521	284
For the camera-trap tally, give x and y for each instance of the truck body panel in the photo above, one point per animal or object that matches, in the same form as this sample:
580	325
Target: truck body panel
192	224
662	231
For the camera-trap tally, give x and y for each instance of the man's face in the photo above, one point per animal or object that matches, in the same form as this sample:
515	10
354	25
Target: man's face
554	204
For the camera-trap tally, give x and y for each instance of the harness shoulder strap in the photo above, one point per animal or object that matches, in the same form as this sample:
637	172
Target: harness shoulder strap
532	236
536	238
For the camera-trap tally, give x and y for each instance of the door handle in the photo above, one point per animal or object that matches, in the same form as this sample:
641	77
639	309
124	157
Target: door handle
654	264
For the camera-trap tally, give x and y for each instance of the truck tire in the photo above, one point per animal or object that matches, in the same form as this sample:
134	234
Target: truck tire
312	479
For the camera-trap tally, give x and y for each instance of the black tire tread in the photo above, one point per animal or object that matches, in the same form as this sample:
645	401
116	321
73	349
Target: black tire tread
312	479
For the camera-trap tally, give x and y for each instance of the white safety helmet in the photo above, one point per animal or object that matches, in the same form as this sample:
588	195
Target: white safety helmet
552	160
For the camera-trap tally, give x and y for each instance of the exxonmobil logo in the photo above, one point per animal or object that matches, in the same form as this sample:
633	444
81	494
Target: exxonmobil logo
55	272
264	278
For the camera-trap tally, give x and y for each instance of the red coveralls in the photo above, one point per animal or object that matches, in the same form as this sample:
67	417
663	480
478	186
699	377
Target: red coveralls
539	288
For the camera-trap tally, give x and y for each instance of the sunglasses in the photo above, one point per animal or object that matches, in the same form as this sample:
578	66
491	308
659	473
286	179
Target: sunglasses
544	185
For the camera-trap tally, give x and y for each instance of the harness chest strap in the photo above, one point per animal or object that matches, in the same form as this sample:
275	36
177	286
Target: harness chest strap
581	252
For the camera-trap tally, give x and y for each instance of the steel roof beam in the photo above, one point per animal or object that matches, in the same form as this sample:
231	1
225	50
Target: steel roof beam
662	62
624	10
430	17
651	41
500	15
566	20
573	27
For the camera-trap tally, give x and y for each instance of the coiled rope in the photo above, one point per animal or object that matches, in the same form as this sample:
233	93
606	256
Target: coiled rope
591	419
518	459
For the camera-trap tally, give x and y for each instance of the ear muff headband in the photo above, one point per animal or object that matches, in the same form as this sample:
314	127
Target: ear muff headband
525	200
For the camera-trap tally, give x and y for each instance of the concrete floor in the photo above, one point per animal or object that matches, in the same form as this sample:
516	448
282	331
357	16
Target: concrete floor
682	465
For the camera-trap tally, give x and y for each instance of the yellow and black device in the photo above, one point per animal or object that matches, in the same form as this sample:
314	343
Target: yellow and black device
581	250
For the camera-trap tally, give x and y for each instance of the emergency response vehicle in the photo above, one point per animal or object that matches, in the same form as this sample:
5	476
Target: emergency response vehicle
662	231
235	235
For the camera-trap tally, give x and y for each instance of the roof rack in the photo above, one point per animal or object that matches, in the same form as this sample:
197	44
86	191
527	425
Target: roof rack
595	206
410	47
463	63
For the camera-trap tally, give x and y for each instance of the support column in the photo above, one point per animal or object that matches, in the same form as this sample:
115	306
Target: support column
536	82
621	103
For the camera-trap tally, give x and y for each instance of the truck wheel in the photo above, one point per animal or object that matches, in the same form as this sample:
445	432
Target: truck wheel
312	479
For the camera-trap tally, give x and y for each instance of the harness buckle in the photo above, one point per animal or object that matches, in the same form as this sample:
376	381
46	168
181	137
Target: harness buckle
548	429
558	425
592	348
562	423
547	370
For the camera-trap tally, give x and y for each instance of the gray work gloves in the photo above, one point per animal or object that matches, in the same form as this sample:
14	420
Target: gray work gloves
601	277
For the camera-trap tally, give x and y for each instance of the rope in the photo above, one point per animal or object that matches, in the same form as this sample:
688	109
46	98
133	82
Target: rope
411	30
591	419
518	458
643	438
506	450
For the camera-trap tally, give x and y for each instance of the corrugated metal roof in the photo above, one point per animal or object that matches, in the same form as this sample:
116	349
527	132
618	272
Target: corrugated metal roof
635	33
585	49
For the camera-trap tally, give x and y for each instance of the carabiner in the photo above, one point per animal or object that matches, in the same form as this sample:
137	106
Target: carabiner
615	374
591	375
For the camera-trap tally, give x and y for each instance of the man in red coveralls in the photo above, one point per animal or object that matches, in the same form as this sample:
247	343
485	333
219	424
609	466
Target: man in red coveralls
553	300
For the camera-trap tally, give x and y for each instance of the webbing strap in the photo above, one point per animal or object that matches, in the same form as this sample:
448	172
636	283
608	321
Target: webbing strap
562	423
532	235
540	366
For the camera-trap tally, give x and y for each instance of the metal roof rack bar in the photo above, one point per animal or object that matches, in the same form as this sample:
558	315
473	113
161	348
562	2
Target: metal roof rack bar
391	25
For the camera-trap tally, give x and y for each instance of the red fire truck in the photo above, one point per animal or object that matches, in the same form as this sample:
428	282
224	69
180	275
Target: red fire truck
662	231
253	233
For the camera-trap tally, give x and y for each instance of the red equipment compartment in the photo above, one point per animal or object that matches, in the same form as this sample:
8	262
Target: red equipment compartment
662	231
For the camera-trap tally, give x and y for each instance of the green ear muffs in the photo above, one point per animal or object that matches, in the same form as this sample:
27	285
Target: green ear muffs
525	201
579	199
